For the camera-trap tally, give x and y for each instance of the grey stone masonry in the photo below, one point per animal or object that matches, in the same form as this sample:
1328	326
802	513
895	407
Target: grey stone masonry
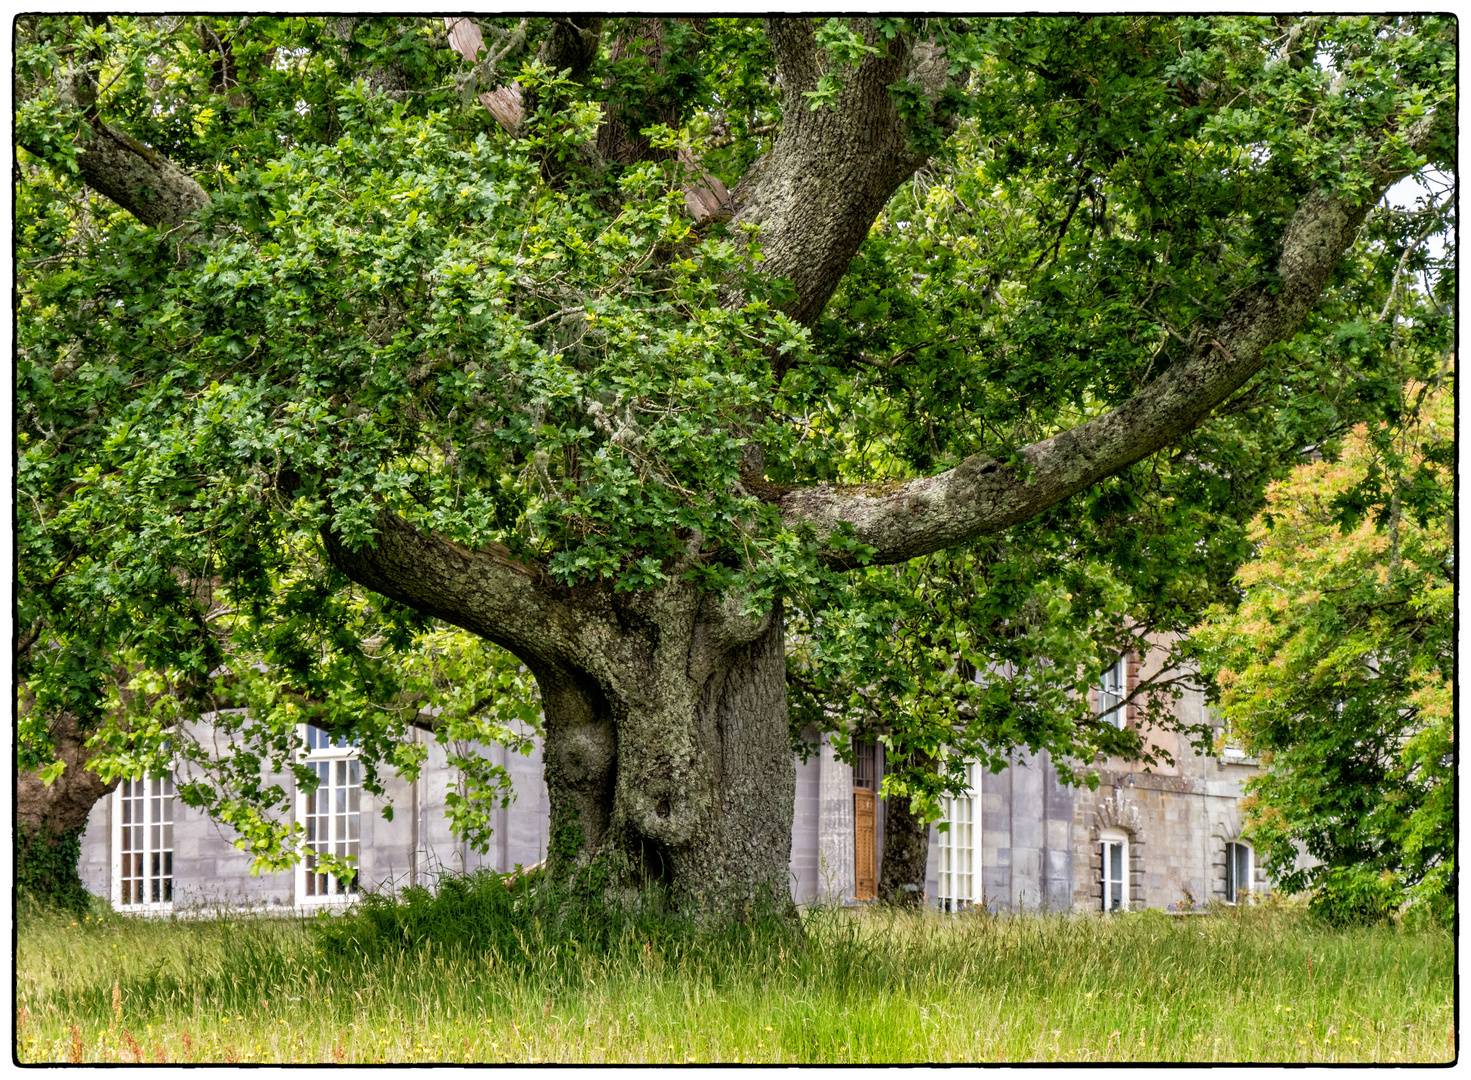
210	871
1036	839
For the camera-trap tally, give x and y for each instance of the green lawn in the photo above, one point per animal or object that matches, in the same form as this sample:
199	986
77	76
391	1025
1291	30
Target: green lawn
1247	985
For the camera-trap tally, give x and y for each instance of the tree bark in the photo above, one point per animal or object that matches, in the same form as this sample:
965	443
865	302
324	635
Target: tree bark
666	745
136	177
62	806
834	168
674	765
981	496
906	851
50	819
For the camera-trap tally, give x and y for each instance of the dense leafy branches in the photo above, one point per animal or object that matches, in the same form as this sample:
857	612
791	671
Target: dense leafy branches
373	316
1338	666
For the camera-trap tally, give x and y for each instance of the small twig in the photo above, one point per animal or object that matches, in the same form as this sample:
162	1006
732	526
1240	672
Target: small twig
554	315
1410	248
727	140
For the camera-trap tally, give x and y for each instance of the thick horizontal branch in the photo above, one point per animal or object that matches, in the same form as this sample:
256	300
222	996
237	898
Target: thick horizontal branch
139	179
981	496
487	591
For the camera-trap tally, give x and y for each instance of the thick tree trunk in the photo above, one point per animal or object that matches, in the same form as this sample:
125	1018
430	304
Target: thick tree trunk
906	850
49	819
673	764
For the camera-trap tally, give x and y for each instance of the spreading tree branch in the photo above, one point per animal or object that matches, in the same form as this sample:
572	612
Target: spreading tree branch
982	495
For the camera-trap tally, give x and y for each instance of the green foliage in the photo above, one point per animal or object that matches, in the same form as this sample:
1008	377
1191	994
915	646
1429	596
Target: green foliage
394	304
1337	669
46	870
1046	244
521	918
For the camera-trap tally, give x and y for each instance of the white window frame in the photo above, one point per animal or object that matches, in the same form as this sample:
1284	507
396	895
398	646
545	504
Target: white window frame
1108	841
959	873
151	866
1234	895
1113	688
339	761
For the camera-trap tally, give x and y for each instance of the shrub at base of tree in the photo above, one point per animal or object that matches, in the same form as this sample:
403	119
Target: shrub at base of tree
46	869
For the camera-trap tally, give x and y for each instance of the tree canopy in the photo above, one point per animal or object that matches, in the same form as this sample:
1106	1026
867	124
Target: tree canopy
350	350
1337	669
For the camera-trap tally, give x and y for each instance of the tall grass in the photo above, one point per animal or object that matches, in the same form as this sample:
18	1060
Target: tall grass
478	973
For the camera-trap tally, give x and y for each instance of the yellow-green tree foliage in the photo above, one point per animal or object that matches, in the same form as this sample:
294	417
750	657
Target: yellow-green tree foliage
1338	668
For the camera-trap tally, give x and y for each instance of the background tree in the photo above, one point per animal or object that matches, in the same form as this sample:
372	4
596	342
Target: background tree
338	360
1338	669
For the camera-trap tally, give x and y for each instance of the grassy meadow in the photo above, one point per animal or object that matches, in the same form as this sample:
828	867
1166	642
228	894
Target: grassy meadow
478	977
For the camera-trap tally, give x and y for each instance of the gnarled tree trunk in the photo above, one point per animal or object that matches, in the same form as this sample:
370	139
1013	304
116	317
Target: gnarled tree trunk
674	764
667	747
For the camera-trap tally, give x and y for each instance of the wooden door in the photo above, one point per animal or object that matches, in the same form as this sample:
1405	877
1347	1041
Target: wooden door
865	849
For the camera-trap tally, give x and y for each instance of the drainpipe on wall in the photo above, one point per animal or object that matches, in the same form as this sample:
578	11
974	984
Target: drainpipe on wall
1205	821
414	823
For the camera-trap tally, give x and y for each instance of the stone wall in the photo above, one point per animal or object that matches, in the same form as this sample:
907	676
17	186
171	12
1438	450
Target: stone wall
1178	816
414	847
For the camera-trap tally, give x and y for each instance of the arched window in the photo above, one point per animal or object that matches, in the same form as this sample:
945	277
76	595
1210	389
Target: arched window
959	872
1114	846
332	816
1238	872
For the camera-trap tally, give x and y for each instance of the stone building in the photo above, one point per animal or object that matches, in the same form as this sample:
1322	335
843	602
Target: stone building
1021	839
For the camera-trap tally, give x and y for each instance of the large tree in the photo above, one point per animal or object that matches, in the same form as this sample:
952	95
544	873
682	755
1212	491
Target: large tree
595	339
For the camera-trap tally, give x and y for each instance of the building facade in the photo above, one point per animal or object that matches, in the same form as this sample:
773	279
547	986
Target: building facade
1019	840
